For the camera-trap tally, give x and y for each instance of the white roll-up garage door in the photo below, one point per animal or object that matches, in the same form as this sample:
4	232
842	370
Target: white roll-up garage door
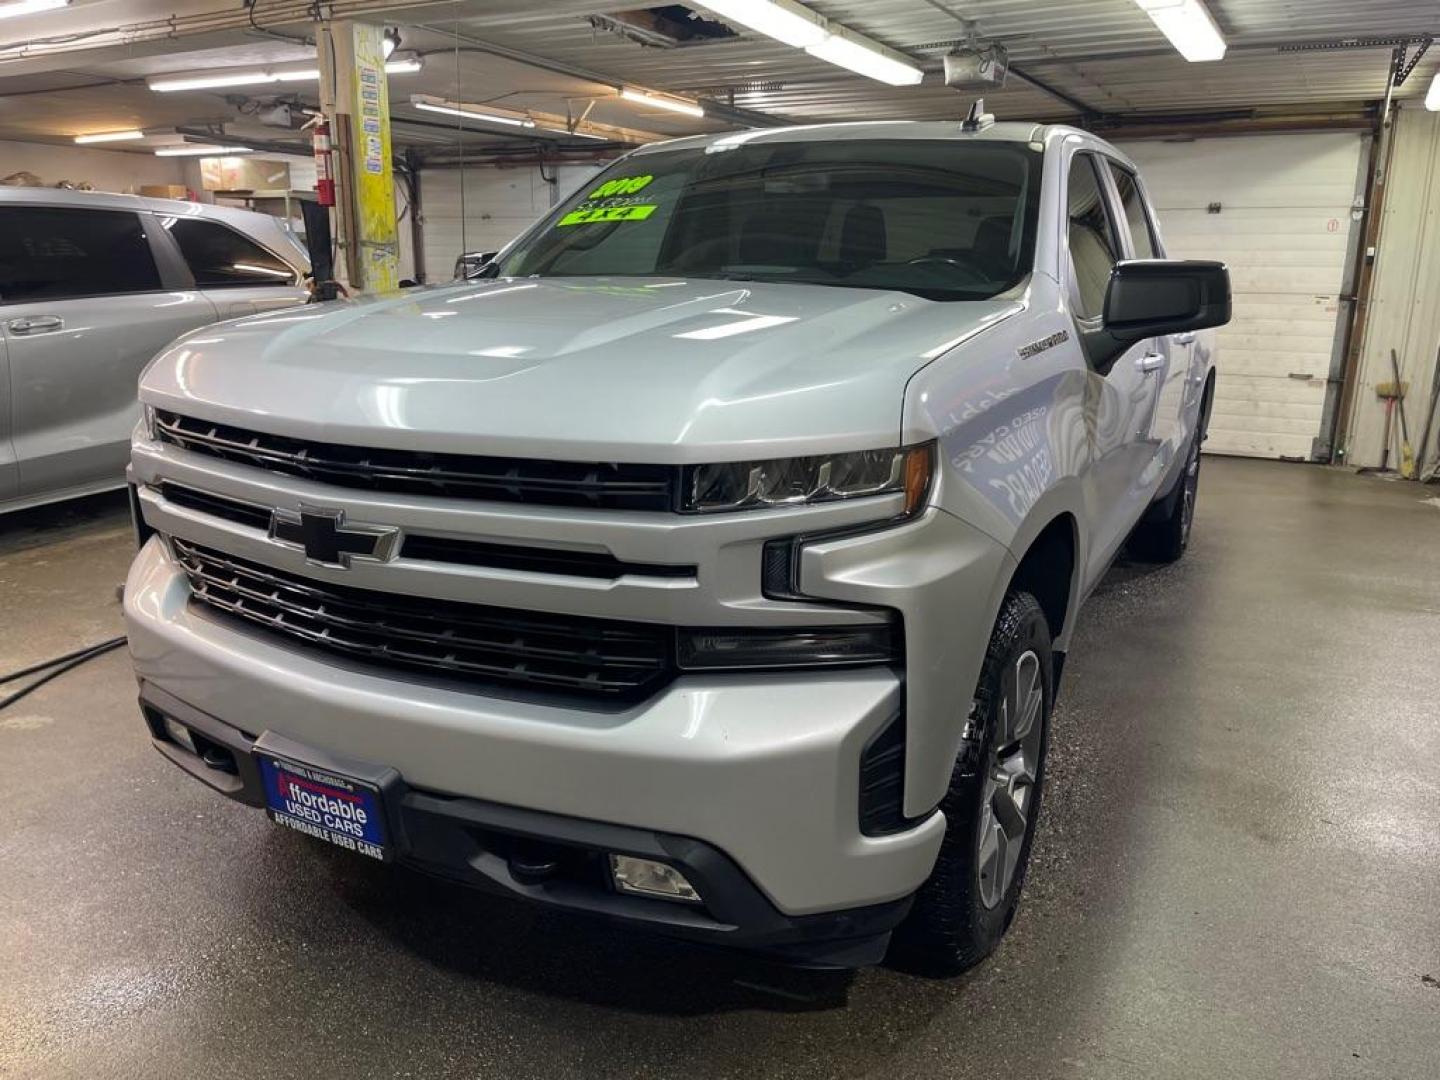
1279	210
498	205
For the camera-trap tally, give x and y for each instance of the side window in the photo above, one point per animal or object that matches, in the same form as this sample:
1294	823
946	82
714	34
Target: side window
220	256
1093	247
1142	236
52	253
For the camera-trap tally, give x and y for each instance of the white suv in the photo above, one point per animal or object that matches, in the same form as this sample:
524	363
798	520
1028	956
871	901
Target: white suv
709	564
92	286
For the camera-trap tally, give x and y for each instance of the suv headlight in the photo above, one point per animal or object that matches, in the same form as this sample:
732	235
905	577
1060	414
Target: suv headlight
752	485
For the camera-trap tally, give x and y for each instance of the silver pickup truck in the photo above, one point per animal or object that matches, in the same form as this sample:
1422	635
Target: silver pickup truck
707	565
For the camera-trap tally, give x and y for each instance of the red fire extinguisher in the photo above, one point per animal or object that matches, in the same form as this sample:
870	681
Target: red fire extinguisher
324	177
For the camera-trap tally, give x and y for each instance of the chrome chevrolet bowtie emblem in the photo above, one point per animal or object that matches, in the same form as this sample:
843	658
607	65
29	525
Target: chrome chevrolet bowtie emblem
328	540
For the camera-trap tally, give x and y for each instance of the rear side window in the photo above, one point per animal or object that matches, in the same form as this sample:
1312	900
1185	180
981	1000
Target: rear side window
53	253
1094	249
1142	236
220	256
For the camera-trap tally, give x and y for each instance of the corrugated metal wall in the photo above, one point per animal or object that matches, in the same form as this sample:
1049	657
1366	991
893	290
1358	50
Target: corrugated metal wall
1405	298
1285	212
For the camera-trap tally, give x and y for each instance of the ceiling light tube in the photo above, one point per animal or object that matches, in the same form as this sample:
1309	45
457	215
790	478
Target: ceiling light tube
865	57
29	7
785	21
109	136
683	106
472	114
1432	96
1188	25
259	76
201	151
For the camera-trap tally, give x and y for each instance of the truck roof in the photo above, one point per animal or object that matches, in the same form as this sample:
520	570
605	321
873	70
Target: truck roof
1010	131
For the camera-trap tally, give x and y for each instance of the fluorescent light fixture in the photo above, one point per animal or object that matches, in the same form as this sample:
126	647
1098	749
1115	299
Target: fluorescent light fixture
29	7
474	114
796	25
783	20
864	57
259	76
672	104
109	136
1188	25
1432	96
201	151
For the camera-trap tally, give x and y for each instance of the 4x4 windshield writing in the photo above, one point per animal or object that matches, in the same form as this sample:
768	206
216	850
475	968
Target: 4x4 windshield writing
947	220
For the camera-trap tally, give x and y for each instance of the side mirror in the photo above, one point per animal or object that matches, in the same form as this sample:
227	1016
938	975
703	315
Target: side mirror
1153	297
471	263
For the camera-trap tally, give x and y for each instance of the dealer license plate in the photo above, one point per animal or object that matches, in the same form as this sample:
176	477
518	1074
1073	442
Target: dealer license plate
324	805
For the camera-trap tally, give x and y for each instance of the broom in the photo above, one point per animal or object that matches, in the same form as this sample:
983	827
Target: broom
1393	394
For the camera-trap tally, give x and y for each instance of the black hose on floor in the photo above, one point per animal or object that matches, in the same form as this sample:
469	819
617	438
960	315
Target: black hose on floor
54	668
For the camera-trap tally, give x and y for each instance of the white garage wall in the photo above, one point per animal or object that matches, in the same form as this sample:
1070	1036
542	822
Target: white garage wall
1404	312
1287	206
498	205
107	170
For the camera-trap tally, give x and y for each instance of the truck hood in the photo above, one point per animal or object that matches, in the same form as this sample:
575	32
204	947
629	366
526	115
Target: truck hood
639	369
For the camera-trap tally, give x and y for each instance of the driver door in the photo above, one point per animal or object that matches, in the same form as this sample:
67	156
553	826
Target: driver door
1120	395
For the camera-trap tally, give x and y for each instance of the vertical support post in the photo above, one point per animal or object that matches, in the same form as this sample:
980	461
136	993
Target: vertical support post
354	93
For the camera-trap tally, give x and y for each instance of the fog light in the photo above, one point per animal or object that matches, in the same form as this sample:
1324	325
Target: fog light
180	735
646	877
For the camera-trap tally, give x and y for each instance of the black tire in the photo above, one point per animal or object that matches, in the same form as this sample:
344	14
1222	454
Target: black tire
1164	533
961	913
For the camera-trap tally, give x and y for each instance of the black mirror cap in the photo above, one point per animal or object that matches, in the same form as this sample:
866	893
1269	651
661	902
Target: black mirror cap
1153	297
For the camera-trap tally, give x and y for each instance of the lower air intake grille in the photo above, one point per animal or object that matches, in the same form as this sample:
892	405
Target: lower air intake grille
493	646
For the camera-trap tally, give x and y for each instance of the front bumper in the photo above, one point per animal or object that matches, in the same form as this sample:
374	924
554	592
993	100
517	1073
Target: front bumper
495	848
763	767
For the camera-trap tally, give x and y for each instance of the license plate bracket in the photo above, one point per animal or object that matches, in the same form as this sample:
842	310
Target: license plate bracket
326	800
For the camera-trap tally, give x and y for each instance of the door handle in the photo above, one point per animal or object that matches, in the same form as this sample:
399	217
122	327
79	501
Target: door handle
40	324
1186	338
1150	362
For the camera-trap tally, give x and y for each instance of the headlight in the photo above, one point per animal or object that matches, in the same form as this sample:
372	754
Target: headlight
749	485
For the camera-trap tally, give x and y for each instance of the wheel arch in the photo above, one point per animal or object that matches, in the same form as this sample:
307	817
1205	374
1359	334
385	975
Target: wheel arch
1048	569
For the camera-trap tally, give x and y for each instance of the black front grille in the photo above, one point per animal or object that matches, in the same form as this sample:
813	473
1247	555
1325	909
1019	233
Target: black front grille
498	647
598	485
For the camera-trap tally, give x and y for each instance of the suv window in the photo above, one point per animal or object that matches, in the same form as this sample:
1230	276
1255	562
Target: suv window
219	256
51	253
1142	235
1093	247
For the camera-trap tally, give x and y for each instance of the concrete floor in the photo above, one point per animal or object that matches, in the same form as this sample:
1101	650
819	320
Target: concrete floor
1238	872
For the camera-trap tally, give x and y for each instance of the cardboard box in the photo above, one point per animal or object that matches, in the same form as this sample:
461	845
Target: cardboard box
165	191
243	174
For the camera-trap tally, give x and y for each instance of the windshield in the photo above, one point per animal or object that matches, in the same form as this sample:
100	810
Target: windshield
943	219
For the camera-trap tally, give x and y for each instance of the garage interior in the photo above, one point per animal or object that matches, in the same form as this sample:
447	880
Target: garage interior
1237	870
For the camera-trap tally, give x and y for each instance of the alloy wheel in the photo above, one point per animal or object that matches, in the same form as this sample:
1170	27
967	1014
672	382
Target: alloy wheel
1010	774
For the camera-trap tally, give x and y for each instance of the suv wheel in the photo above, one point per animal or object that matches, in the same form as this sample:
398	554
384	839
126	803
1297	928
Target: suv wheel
964	909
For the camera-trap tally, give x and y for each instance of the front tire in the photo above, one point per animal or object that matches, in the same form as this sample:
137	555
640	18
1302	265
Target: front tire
964	909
